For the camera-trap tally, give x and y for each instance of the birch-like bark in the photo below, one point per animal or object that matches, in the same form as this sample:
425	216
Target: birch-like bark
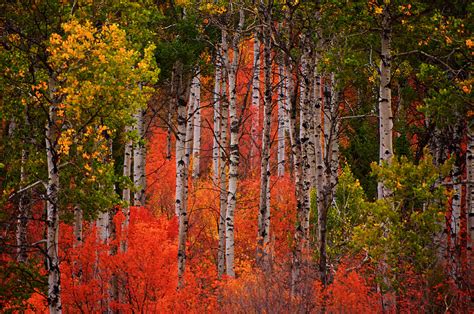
183	216
102	224
470	186
197	126
216	97
385	100
385	130
78	220
231	69
222	181
182	92
455	224
281	121
305	138
331	165
318	148
78	239
23	213
127	165
255	99
264	210
334	135
52	207
296	155
139	160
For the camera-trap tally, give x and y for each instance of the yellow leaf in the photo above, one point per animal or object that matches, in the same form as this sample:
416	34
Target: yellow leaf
469	43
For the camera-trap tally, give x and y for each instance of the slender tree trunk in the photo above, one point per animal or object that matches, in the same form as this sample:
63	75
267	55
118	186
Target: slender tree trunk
139	160
231	69
470	186
264	210
296	155
282	121
305	139
385	130
331	166
216	97
197	126
385	100
78	239
318	148
78	220
255	99
222	186
182	94
127	165
23	213
334	135
52	208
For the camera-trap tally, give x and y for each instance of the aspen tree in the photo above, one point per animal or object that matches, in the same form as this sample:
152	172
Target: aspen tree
216	98
223	161
231	69
282	120
139	178
385	98
197	125
126	193
264	209
305	136
470	186
52	205
181	98
255	97
23	213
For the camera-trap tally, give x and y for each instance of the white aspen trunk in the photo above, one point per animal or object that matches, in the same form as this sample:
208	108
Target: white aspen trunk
318	148
52	208
456	211
385	100
255	99
297	170
385	131
305	139
334	135
264	210
216	119
182	163
183	217
234	143
127	165
331	166
197	126
78	219
222	185
102	224
470	186
139	160
282	121
23	213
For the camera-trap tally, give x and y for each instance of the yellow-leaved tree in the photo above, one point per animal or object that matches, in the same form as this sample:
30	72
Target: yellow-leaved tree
96	82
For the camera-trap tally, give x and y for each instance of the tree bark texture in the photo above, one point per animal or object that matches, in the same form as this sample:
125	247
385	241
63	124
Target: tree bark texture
231	69
197	126
264	210
52	207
